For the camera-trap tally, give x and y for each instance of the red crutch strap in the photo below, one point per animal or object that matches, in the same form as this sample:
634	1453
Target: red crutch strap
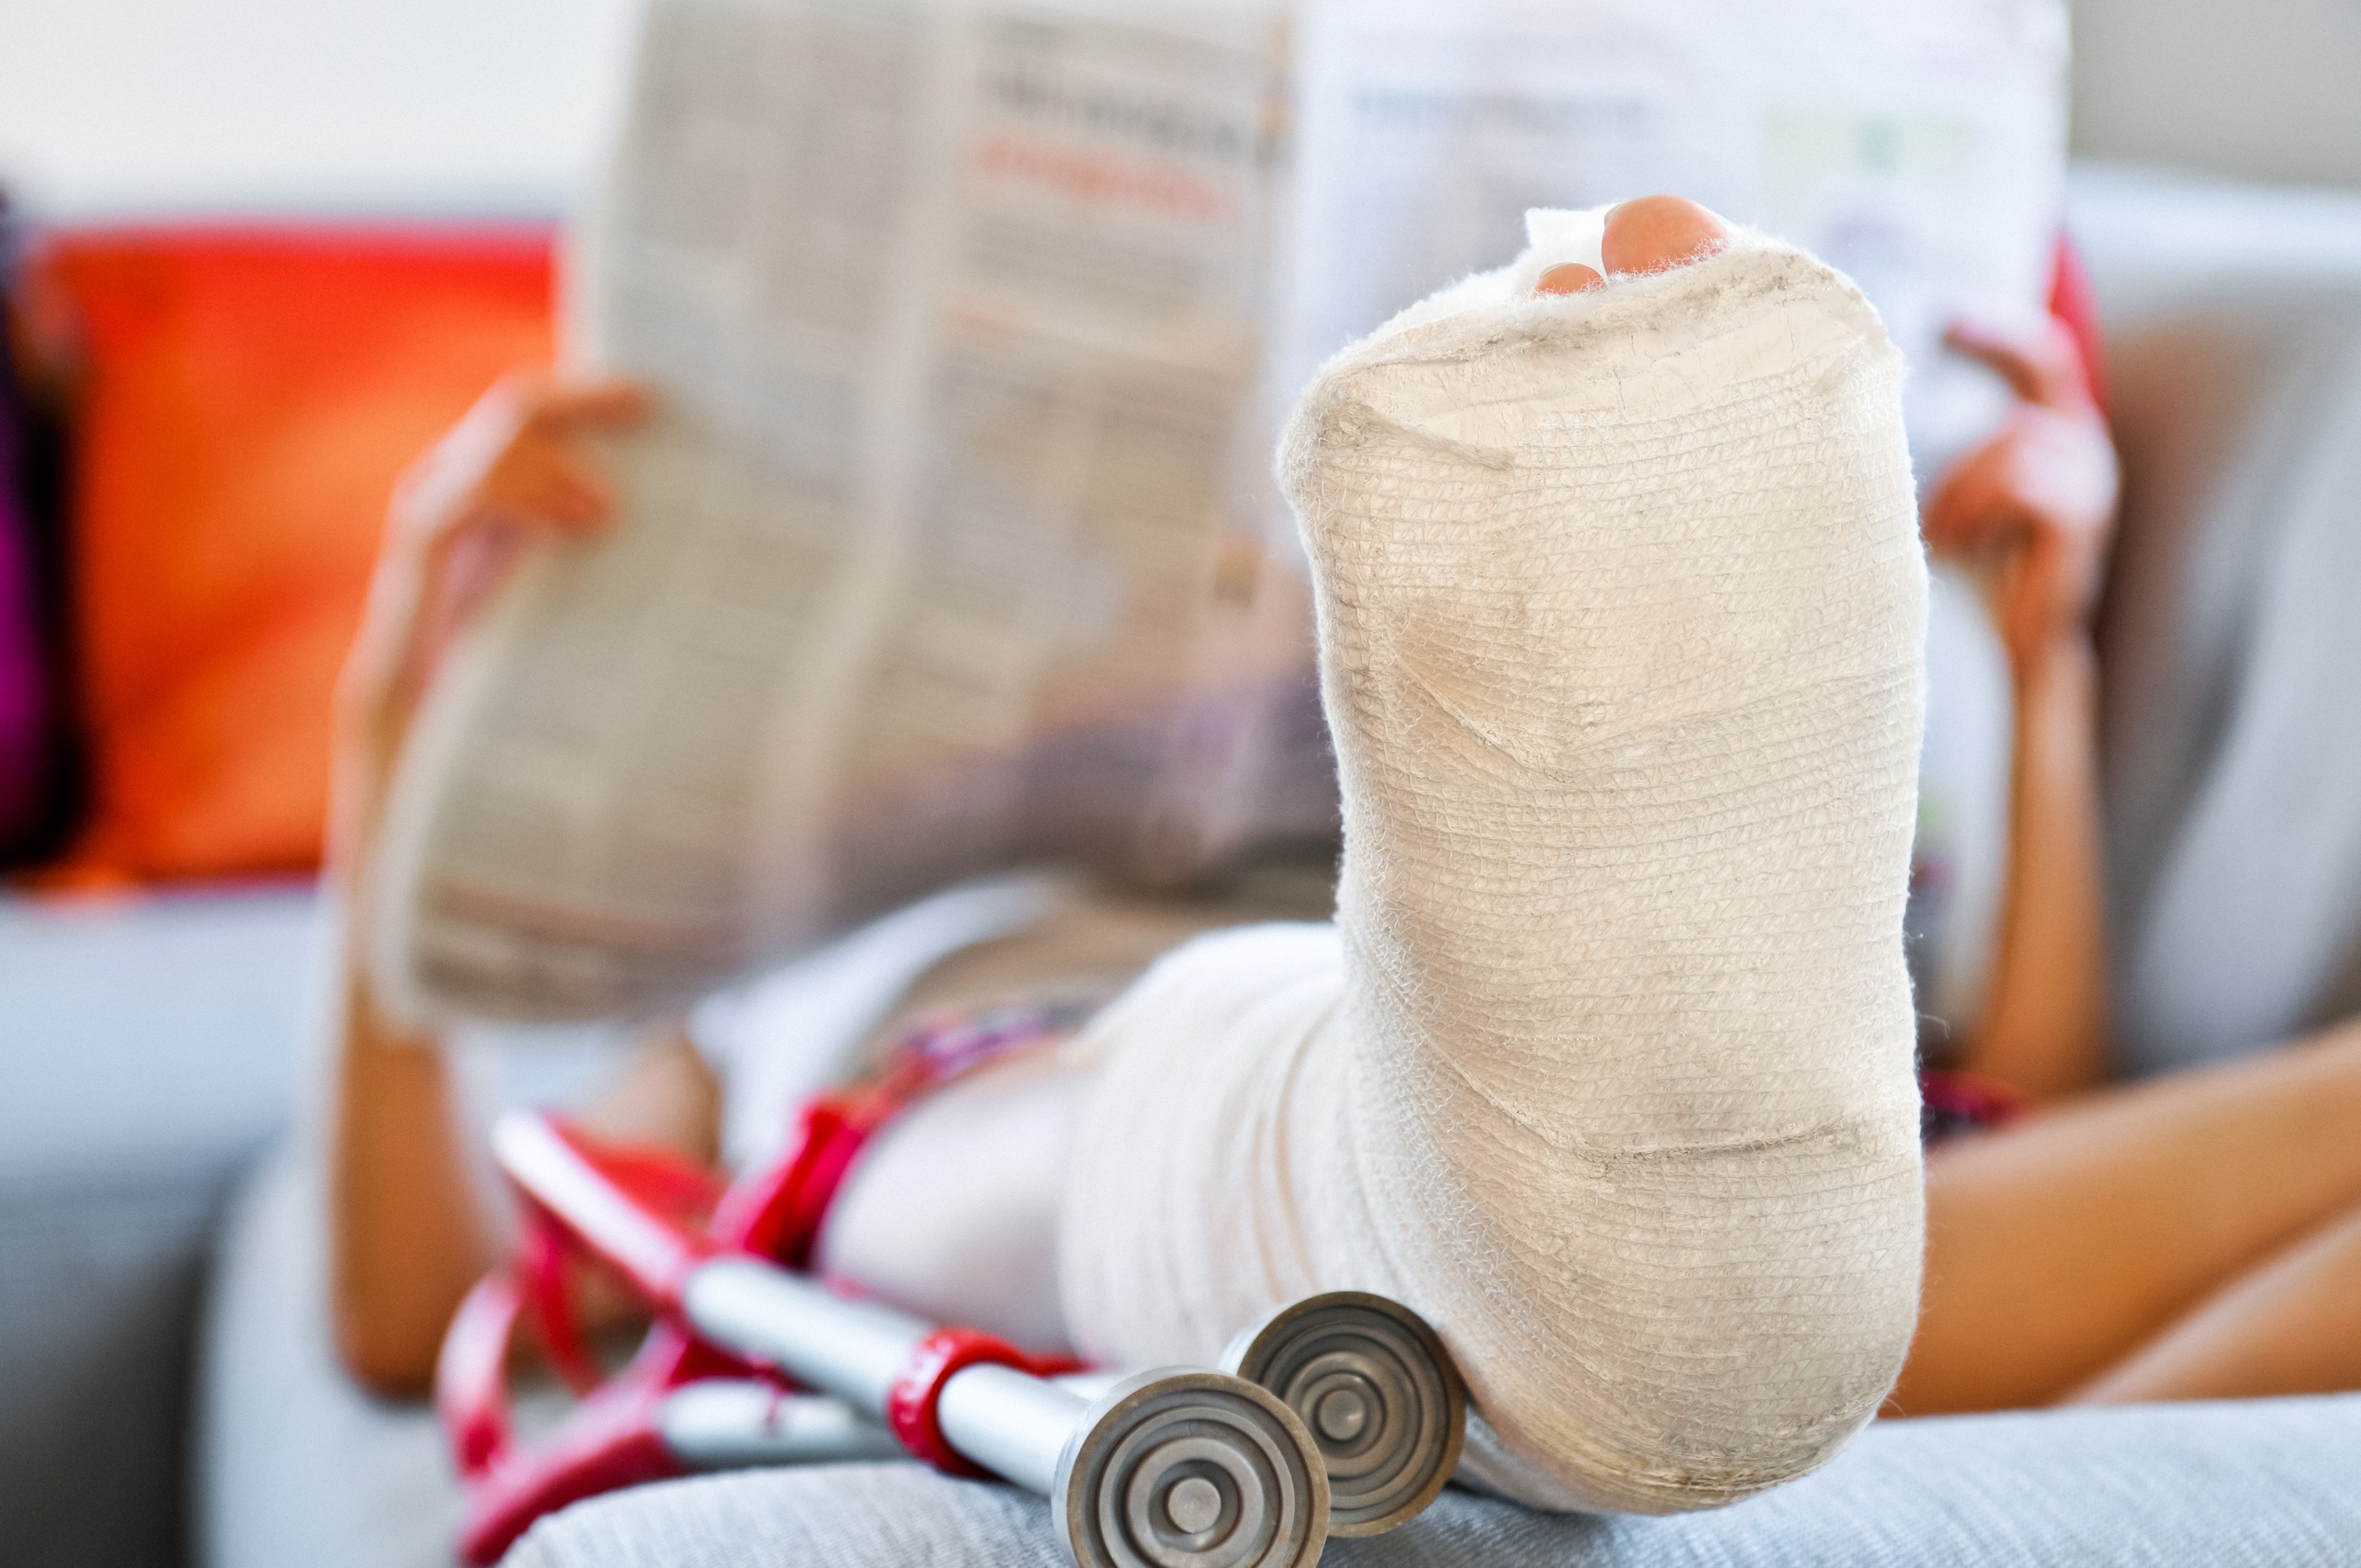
471	1383
779	1212
609	1440
910	1412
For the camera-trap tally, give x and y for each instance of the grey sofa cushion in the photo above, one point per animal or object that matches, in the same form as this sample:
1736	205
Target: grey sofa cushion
2266	1485
2231	745
98	1279
150	1048
150	1030
299	1469
296	1468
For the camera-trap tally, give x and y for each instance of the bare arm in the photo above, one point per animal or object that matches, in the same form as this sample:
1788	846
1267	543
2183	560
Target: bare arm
409	1231
2039	499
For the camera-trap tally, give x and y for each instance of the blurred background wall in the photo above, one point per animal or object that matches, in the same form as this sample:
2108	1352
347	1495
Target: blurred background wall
134	107
2266	89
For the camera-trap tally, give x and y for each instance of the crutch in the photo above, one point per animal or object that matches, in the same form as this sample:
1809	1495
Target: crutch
1382	1399
1369	1380
1164	1469
679	1407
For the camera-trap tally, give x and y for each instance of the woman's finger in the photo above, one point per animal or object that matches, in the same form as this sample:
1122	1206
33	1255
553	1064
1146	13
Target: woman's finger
562	407
2042	366
547	486
468	576
1976	506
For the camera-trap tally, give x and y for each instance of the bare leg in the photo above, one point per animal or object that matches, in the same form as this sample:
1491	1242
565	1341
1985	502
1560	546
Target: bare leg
2056	1248
2288	1327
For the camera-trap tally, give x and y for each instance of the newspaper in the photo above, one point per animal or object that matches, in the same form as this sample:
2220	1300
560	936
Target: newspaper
953	545
930	563
1919	148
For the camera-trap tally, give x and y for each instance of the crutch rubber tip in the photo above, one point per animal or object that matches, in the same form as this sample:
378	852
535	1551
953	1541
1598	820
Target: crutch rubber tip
1382	1399
1191	1469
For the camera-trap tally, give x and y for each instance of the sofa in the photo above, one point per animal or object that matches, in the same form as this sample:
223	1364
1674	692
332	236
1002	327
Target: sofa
167	1393
151	1051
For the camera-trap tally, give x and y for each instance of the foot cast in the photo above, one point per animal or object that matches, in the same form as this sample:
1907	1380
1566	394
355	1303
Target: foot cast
1606	1063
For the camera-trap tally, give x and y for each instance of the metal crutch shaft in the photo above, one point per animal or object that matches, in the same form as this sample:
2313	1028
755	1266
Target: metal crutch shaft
1368	1376
733	1423
1163	1468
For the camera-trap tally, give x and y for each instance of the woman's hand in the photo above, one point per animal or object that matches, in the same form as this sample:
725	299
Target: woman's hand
2038	499
408	1229
511	472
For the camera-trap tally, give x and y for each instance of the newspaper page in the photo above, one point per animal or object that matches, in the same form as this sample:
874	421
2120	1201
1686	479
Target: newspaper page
956	542
1918	148
955	314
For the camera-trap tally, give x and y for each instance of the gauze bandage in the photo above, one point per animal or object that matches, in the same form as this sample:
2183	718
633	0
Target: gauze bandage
1606	1064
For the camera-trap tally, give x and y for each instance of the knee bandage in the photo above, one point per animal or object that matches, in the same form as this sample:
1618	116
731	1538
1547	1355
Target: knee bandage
1606	1064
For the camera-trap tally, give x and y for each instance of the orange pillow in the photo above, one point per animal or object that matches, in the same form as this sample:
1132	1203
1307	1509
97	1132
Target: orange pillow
251	396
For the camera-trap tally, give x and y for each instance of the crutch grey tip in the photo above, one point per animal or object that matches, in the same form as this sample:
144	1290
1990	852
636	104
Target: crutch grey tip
1381	1398
1191	1469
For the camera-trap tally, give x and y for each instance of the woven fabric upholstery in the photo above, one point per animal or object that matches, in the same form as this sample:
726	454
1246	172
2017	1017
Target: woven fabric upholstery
2267	1483
298	1470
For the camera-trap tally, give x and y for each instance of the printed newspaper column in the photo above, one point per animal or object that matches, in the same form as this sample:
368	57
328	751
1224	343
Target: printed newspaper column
1072	535
954	315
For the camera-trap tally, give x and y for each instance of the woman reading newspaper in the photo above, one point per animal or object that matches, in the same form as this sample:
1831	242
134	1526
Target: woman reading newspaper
1605	1061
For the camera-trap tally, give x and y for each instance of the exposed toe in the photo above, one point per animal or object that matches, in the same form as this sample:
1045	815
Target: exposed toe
1569	277
1653	234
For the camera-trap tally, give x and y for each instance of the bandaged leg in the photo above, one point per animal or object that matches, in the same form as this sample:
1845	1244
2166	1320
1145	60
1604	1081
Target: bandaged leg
1606	1064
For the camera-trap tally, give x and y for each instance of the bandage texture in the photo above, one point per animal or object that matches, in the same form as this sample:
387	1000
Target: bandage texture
1606	1064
